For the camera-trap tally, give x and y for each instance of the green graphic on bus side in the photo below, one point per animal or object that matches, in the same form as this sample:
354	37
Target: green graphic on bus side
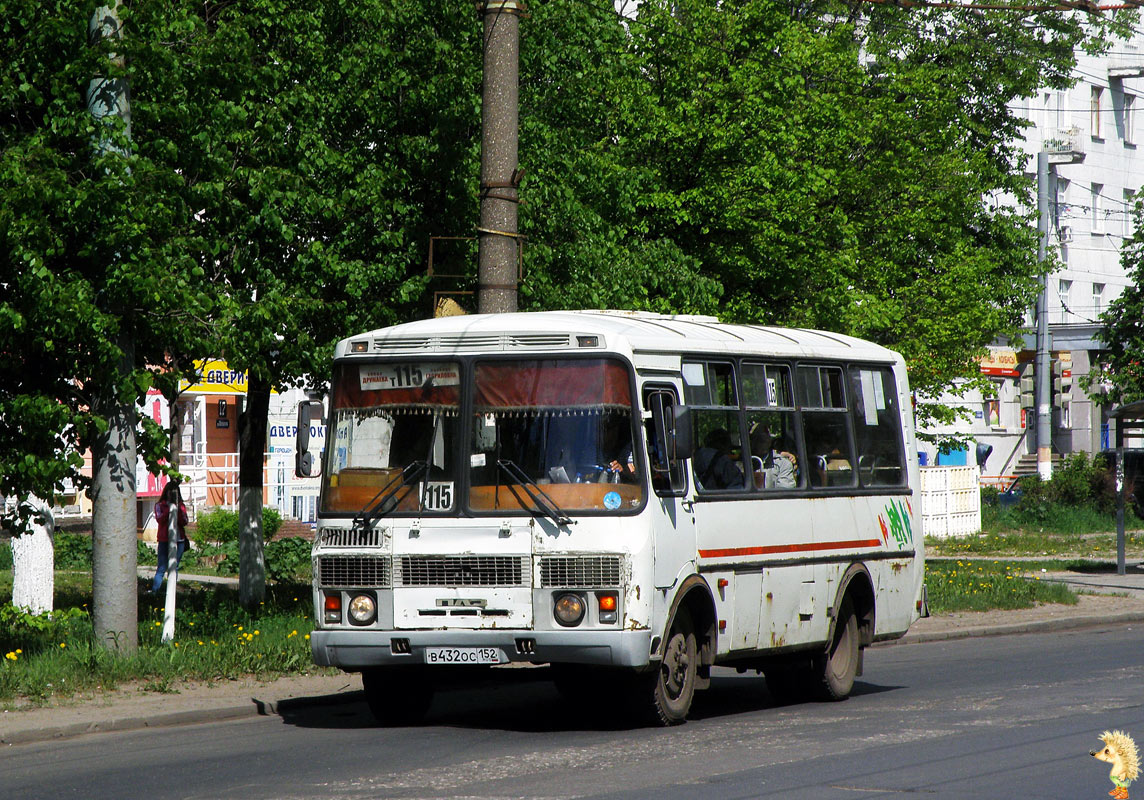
895	522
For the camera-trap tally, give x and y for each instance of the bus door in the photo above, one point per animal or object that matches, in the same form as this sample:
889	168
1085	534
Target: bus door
668	438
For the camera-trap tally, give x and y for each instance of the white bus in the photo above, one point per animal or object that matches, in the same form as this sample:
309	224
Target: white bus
630	498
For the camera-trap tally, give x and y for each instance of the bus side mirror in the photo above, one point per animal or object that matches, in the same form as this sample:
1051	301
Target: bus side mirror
308	411
683	437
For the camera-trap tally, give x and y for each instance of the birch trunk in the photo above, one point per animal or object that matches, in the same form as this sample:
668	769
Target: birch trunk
33	563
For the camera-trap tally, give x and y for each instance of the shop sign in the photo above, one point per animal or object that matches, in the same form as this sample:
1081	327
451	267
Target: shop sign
1000	362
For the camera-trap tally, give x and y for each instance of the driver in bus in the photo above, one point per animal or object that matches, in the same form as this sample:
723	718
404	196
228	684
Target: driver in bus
616	447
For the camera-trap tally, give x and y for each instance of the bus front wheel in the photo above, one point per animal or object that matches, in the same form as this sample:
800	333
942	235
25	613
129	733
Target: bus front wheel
397	696
674	686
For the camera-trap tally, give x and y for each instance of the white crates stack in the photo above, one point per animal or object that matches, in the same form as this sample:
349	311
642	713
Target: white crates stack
951	501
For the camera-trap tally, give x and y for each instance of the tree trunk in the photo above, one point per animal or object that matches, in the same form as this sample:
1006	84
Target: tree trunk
114	607
33	562
251	449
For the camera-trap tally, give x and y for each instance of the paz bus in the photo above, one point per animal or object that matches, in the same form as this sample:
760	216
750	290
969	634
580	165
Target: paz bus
629	498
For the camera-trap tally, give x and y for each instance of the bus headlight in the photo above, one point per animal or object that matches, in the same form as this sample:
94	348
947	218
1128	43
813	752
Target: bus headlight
569	609
362	609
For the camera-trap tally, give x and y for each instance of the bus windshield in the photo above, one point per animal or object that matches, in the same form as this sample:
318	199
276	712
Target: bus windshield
562	428
394	432
544	435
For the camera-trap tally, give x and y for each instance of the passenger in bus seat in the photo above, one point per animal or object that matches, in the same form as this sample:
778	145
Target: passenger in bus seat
774	469
713	464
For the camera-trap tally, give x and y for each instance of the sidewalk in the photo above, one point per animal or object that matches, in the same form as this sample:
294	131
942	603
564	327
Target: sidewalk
1117	599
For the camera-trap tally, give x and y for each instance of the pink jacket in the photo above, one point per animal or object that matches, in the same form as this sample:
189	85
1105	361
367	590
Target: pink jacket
162	516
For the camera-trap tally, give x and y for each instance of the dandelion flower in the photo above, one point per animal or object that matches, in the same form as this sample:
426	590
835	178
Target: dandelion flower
63	644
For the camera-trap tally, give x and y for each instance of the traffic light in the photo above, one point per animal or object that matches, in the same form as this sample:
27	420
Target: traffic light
1026	385
1062	382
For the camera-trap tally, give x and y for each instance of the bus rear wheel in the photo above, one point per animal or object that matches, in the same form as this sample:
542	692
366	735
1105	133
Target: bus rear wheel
674	681
397	696
838	667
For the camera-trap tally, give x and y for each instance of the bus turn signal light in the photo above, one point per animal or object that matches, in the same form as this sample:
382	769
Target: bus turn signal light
608	604
333	608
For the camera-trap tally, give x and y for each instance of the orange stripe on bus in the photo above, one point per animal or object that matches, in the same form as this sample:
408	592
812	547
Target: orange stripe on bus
787	548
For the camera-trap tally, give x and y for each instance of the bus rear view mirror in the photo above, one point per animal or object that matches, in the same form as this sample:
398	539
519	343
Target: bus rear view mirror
682	439
308	411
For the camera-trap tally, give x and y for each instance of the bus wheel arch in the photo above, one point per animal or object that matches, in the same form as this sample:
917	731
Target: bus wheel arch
856	584
851	629
694	596
685	655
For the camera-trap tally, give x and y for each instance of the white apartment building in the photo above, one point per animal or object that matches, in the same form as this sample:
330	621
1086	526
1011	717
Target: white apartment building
1094	136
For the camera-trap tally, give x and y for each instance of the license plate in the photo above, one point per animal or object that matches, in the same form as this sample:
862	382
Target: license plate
464	655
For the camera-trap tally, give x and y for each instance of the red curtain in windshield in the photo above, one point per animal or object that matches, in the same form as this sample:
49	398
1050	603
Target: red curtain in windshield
531	385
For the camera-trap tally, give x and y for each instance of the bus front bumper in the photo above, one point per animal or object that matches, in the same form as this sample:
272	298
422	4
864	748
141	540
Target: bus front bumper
354	650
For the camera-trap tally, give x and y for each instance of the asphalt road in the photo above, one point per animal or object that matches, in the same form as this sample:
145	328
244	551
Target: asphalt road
1009	716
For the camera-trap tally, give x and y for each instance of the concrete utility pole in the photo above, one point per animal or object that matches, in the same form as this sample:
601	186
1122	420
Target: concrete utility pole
1043	387
498	243
114	608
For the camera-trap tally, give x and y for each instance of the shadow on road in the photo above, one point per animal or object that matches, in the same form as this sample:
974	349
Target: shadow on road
526	701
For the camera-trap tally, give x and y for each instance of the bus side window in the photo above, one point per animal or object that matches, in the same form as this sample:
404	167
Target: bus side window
826	428
877	426
711	392
771	431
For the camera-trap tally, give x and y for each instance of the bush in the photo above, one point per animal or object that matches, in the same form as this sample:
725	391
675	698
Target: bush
5	555
215	527
288	560
219	526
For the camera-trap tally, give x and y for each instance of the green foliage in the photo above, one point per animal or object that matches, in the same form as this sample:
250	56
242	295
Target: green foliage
1080	484
145	556
215	526
219	526
1121	370
5	555
72	551
288	560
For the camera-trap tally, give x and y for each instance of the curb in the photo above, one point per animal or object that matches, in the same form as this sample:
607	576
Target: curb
160	719
1033	626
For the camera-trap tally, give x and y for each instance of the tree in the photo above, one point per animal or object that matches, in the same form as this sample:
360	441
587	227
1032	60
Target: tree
85	318
846	166
1122	328
340	138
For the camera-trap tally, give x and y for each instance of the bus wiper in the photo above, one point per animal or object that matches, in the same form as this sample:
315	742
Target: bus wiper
535	493
385	501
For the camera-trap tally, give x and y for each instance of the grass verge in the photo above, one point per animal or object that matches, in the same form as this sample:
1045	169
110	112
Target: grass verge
215	640
988	585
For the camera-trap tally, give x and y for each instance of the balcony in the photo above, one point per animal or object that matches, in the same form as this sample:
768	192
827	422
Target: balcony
1064	146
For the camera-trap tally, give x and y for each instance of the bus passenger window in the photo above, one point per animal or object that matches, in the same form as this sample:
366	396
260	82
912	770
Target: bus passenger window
826	426
877	426
710	391
768	397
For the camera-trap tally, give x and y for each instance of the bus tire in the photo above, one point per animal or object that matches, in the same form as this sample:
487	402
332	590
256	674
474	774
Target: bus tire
397	697
838	667
674	685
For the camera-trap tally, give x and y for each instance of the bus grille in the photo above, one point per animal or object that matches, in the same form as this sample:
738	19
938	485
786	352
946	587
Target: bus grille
355	572
350	537
463	571
580	571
